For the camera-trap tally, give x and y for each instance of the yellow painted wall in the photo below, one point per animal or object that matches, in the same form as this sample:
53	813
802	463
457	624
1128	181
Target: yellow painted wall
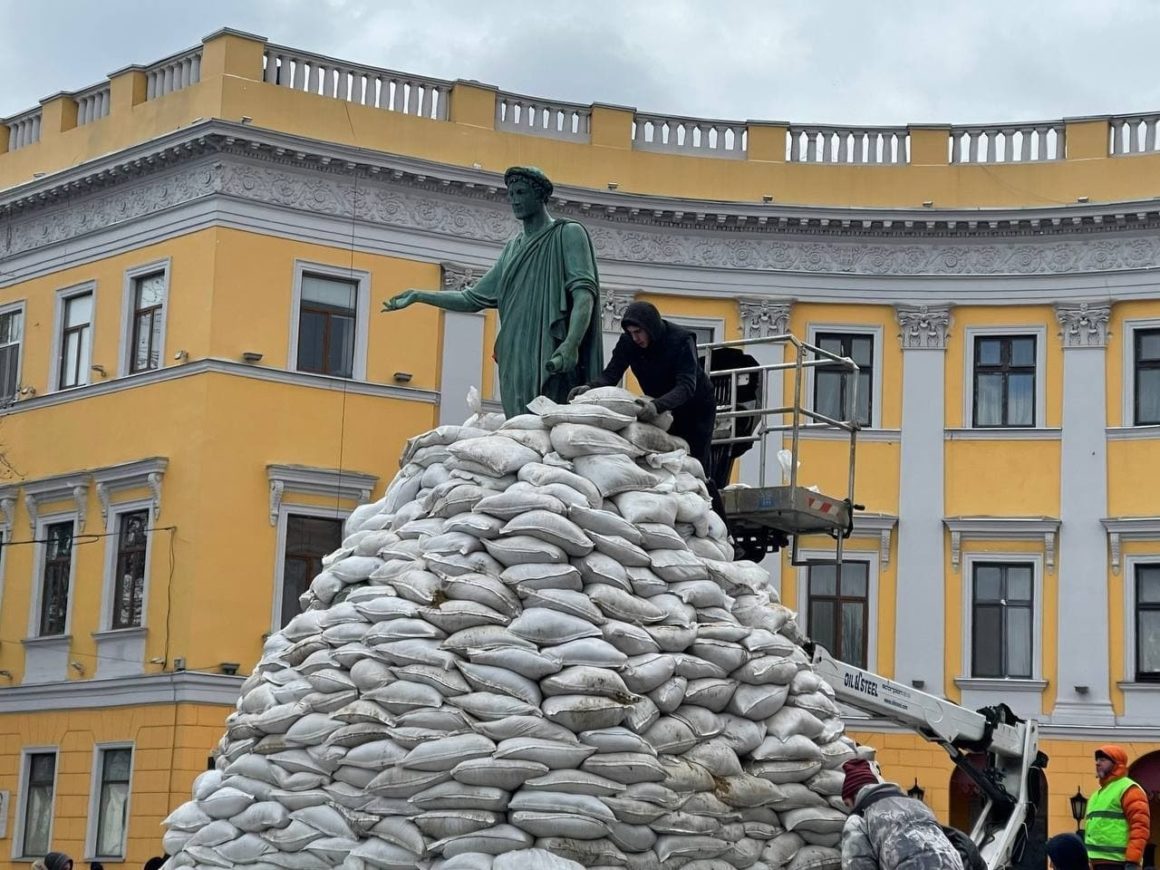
170	743
1002	478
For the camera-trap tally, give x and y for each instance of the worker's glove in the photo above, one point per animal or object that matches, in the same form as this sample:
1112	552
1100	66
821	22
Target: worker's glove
576	392
646	410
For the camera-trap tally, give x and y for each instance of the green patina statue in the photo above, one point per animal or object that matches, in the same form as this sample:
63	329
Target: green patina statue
546	290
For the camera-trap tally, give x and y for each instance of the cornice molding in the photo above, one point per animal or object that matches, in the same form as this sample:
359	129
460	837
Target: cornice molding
1045	529
924	327
1083	324
218	159
339	484
1120	529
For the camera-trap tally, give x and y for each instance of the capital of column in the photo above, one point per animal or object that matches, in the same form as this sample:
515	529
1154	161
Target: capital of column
762	318
1083	324
924	327
457	276
612	305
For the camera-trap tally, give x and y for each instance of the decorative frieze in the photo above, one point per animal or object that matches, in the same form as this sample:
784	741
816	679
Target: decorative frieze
612	305
457	276
763	318
924	327
1083	324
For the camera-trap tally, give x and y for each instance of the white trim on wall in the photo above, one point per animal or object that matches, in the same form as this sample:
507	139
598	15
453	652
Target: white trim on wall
96	778
125	349
362	305
42	524
1039	332
1128	372
54	362
19	305
875	332
872	557
284	510
715	324
22	798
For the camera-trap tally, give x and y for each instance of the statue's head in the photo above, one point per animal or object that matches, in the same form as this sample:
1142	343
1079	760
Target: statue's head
528	189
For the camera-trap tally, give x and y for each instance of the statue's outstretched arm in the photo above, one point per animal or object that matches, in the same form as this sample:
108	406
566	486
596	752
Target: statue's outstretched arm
448	300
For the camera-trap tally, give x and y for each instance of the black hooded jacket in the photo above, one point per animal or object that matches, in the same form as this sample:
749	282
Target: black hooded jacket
667	370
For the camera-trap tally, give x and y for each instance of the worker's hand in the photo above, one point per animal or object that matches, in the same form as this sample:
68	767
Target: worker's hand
563	360
395	303
576	392
646	410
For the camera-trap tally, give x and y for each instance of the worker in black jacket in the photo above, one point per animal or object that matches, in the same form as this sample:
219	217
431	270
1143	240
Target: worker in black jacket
663	358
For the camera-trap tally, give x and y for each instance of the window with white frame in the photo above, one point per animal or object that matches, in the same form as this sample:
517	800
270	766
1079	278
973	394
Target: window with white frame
110	814
838	609
11	341
39	776
1147	621
1004	389
75	340
147	320
56	578
834	387
1146	377
327	325
1002	620
308	539
129	572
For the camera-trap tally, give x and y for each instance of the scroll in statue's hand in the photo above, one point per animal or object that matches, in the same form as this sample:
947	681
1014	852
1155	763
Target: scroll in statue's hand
564	359
395	303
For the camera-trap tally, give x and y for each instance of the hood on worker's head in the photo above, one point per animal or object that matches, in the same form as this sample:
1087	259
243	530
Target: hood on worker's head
1117	756
646	316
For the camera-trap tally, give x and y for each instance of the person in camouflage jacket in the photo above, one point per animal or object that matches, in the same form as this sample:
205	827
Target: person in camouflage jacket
887	830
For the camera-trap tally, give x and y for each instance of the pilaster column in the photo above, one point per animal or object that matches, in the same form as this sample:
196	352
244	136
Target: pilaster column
1083	684
920	642
612	305
462	358
764	318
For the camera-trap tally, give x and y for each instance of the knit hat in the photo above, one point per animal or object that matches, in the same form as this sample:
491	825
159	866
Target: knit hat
57	861
858	774
1067	852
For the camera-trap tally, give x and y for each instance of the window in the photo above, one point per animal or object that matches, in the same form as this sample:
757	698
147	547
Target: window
39	784
1004	389
129	581
308	539
11	333
1148	623
326	325
833	387
54	587
1146	355
76	341
112	807
145	338
838	611
1002	618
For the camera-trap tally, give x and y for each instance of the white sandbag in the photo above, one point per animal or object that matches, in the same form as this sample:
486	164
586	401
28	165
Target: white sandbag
566	601
603	522
525	550
572	440
438	824
712	693
445	753
818	820
453	616
716	756
622	550
221	831
492	706
783	772
669	695
816	703
574	782
262	815
499	454
601	568
547	627
796	747
377	852
705	724
451	542
690	848
484	590
660	536
744	791
477	524
553	528
486	678
614	398
614	474
587	853
529	663
683	823
587	414
562	802
758	702
586	681
583	712
534	439
555	754
325	819
224	803
246	849
506	773
812	857
591	652
652	439
484	637
671	736
453	795
647	507
632	640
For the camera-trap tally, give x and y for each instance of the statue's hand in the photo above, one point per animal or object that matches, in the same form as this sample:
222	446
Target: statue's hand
563	360
396	303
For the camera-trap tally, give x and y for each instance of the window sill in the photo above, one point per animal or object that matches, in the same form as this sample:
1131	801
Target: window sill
120	633
1142	688
1000	684
865	435
50	641
1133	433
1001	433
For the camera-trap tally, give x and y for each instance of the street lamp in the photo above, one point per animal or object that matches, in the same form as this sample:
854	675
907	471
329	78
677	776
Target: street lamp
1078	809
916	791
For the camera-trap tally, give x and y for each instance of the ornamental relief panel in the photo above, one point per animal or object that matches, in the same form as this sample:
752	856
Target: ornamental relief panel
382	201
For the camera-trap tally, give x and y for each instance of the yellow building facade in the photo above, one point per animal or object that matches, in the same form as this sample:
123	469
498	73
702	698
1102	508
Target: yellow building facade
197	388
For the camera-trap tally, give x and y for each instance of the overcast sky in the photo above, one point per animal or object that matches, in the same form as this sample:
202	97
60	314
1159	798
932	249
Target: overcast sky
833	61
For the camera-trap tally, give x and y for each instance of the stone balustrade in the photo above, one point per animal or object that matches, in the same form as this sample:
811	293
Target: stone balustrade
173	73
819	143
1133	134
556	120
243	56
367	86
93	104
24	129
1007	143
698	137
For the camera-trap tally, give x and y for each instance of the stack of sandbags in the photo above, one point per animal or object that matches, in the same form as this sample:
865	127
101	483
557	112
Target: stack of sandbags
536	640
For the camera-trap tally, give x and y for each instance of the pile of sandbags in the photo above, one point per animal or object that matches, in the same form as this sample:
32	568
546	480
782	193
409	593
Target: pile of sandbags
536	640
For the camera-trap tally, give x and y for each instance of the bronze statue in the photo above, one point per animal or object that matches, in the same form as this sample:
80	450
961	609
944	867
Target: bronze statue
546	289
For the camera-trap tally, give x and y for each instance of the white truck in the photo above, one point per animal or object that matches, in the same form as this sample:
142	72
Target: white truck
1010	745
